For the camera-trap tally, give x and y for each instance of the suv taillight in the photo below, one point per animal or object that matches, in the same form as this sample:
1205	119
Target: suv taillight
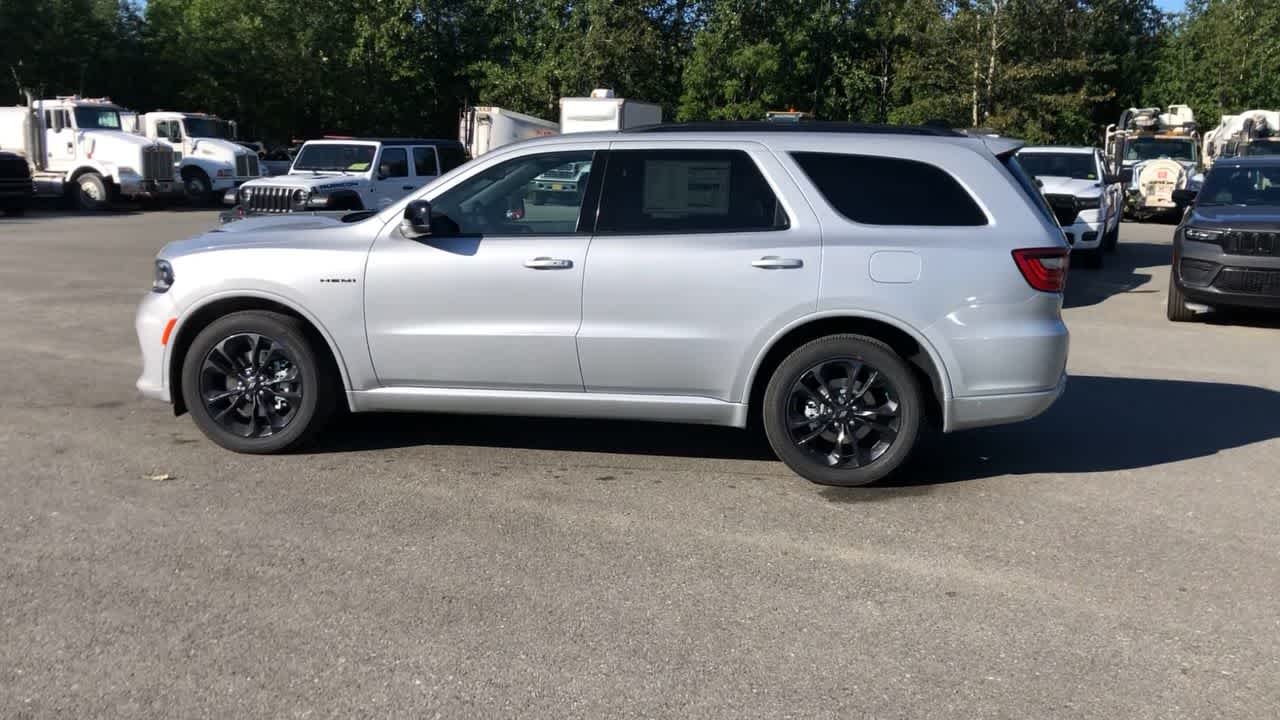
1045	269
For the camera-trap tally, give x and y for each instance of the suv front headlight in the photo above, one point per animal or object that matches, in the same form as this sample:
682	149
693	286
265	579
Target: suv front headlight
163	277
1202	235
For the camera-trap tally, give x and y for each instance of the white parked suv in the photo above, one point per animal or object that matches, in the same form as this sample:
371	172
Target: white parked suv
717	273
1087	200
349	174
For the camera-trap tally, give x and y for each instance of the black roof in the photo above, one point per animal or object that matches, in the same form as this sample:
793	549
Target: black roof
820	126
394	141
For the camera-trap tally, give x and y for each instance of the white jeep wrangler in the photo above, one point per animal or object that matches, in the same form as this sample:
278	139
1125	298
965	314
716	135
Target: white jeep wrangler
348	174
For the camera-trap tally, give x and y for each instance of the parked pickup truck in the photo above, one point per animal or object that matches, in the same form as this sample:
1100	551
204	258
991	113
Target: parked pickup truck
348	174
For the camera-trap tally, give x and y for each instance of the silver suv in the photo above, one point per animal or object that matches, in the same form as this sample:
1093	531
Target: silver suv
841	285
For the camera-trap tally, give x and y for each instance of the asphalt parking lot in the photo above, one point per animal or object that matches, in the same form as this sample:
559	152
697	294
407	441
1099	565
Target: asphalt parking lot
1118	557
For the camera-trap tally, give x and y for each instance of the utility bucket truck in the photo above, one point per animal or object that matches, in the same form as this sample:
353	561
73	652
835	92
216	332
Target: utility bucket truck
209	160
604	112
1155	153
482	129
78	148
1253	132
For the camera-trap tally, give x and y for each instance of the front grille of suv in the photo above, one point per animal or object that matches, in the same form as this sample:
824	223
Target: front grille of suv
1064	208
271	199
157	163
1250	242
1246	281
246	166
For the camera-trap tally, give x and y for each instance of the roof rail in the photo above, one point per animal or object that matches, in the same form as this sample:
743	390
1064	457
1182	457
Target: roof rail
817	126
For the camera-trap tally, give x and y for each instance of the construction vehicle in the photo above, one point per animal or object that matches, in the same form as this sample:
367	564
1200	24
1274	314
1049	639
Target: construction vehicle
78	148
1155	153
1253	132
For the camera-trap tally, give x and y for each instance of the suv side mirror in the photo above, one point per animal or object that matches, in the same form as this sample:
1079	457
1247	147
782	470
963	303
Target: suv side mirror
384	171
417	219
1185	197
1111	179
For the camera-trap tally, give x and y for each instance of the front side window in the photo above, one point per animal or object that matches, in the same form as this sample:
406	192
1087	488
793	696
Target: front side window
876	190
686	191
394	163
208	128
97	119
335	158
505	199
1078	166
424	162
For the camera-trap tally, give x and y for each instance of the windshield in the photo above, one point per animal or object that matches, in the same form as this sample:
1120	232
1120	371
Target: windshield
97	118
1150	148
1242	186
1079	166
349	158
1271	147
207	128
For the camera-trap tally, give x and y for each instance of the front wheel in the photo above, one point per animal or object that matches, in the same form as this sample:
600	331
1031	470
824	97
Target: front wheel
843	410
1176	308
197	187
254	383
91	192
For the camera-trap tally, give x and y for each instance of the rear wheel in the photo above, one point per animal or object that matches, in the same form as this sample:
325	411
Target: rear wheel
254	383
1176	310
15	212
91	192
843	410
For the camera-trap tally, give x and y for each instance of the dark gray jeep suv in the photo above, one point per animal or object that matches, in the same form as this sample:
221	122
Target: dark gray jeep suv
1226	251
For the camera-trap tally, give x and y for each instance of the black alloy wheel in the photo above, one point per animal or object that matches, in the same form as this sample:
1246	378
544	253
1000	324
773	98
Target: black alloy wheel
843	412
251	385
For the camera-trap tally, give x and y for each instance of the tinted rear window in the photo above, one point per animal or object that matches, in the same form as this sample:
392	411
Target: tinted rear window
890	191
697	191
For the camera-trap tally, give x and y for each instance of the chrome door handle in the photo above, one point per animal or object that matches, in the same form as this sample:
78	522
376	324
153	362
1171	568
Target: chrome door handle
773	262
546	263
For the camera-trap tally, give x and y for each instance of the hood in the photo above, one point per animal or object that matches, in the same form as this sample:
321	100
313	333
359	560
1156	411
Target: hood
219	147
311	181
113	145
260	231
1055	185
1257	217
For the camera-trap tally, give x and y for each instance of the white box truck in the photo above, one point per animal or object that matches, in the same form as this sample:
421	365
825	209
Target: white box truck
482	129
78	148
603	112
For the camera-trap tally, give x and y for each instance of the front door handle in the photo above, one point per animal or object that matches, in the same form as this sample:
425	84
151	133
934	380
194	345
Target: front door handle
546	263
773	262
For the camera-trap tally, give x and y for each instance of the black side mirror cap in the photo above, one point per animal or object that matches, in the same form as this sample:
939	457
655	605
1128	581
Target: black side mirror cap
1126	175
1183	196
417	219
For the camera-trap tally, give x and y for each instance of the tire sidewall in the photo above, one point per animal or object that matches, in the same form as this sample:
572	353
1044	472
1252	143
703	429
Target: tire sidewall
86	203
866	350
281	329
197	186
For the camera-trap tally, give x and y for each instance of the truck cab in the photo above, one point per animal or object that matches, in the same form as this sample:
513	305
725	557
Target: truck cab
209	160
339	173
79	147
1155	153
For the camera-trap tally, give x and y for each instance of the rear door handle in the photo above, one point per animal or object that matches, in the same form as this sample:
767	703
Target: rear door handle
546	263
773	262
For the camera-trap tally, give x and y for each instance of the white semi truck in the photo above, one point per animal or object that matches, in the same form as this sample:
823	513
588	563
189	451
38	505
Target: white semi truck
1252	132
210	161
481	129
78	148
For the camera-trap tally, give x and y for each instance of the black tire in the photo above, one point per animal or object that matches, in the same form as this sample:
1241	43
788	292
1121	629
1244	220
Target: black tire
197	186
1111	240
309	399
90	192
15	212
1176	309
1090	259
791	409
